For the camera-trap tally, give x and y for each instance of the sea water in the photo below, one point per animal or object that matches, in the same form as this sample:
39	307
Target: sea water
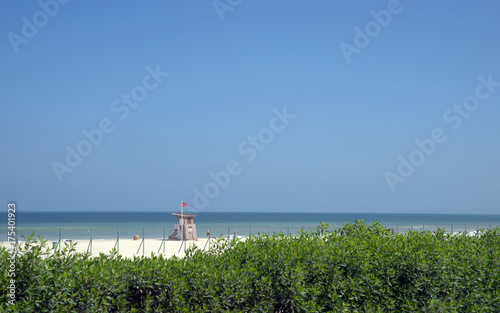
124	225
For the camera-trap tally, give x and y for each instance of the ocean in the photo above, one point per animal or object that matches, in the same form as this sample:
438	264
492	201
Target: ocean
110	225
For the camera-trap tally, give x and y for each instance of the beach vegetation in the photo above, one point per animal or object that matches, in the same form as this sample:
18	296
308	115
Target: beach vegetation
356	268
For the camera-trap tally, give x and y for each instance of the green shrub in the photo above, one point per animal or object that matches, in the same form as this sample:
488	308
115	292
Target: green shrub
357	268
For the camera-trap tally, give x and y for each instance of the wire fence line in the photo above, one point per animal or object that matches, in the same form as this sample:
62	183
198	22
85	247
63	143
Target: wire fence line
226	231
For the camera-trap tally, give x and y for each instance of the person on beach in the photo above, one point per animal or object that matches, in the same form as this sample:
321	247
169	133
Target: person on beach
208	233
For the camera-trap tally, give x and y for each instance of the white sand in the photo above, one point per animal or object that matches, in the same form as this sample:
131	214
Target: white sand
130	248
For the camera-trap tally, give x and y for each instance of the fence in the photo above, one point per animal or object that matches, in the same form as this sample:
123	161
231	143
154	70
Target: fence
60	235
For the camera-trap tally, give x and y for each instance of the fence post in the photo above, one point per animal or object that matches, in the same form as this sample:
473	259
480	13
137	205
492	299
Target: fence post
59	243
162	242
182	242
117	244
142	244
208	240
90	243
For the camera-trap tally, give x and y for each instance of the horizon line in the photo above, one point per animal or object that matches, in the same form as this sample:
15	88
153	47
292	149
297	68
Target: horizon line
262	212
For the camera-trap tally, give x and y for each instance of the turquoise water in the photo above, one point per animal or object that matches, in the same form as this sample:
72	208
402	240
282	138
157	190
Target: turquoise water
110	225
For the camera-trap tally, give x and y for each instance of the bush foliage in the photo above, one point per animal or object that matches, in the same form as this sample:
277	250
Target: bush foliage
357	268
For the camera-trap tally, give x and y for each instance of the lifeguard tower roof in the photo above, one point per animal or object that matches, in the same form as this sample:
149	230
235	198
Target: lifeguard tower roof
184	215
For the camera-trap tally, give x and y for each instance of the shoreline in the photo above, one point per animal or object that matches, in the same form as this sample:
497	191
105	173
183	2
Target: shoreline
127	248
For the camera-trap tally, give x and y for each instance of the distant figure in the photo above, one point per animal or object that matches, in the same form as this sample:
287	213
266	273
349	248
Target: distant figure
234	237
208	233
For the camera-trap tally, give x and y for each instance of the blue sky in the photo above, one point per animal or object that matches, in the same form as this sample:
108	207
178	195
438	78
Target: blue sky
334	130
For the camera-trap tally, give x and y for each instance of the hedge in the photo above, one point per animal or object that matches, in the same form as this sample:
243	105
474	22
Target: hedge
357	268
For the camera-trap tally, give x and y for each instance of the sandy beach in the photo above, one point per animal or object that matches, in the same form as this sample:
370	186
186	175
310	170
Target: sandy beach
130	248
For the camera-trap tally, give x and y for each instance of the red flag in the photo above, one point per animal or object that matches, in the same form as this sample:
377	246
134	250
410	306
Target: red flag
184	204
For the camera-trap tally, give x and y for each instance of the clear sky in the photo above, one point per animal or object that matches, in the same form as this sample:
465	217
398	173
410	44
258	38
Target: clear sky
328	106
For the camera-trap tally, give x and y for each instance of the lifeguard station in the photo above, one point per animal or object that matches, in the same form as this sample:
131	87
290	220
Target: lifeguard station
185	229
